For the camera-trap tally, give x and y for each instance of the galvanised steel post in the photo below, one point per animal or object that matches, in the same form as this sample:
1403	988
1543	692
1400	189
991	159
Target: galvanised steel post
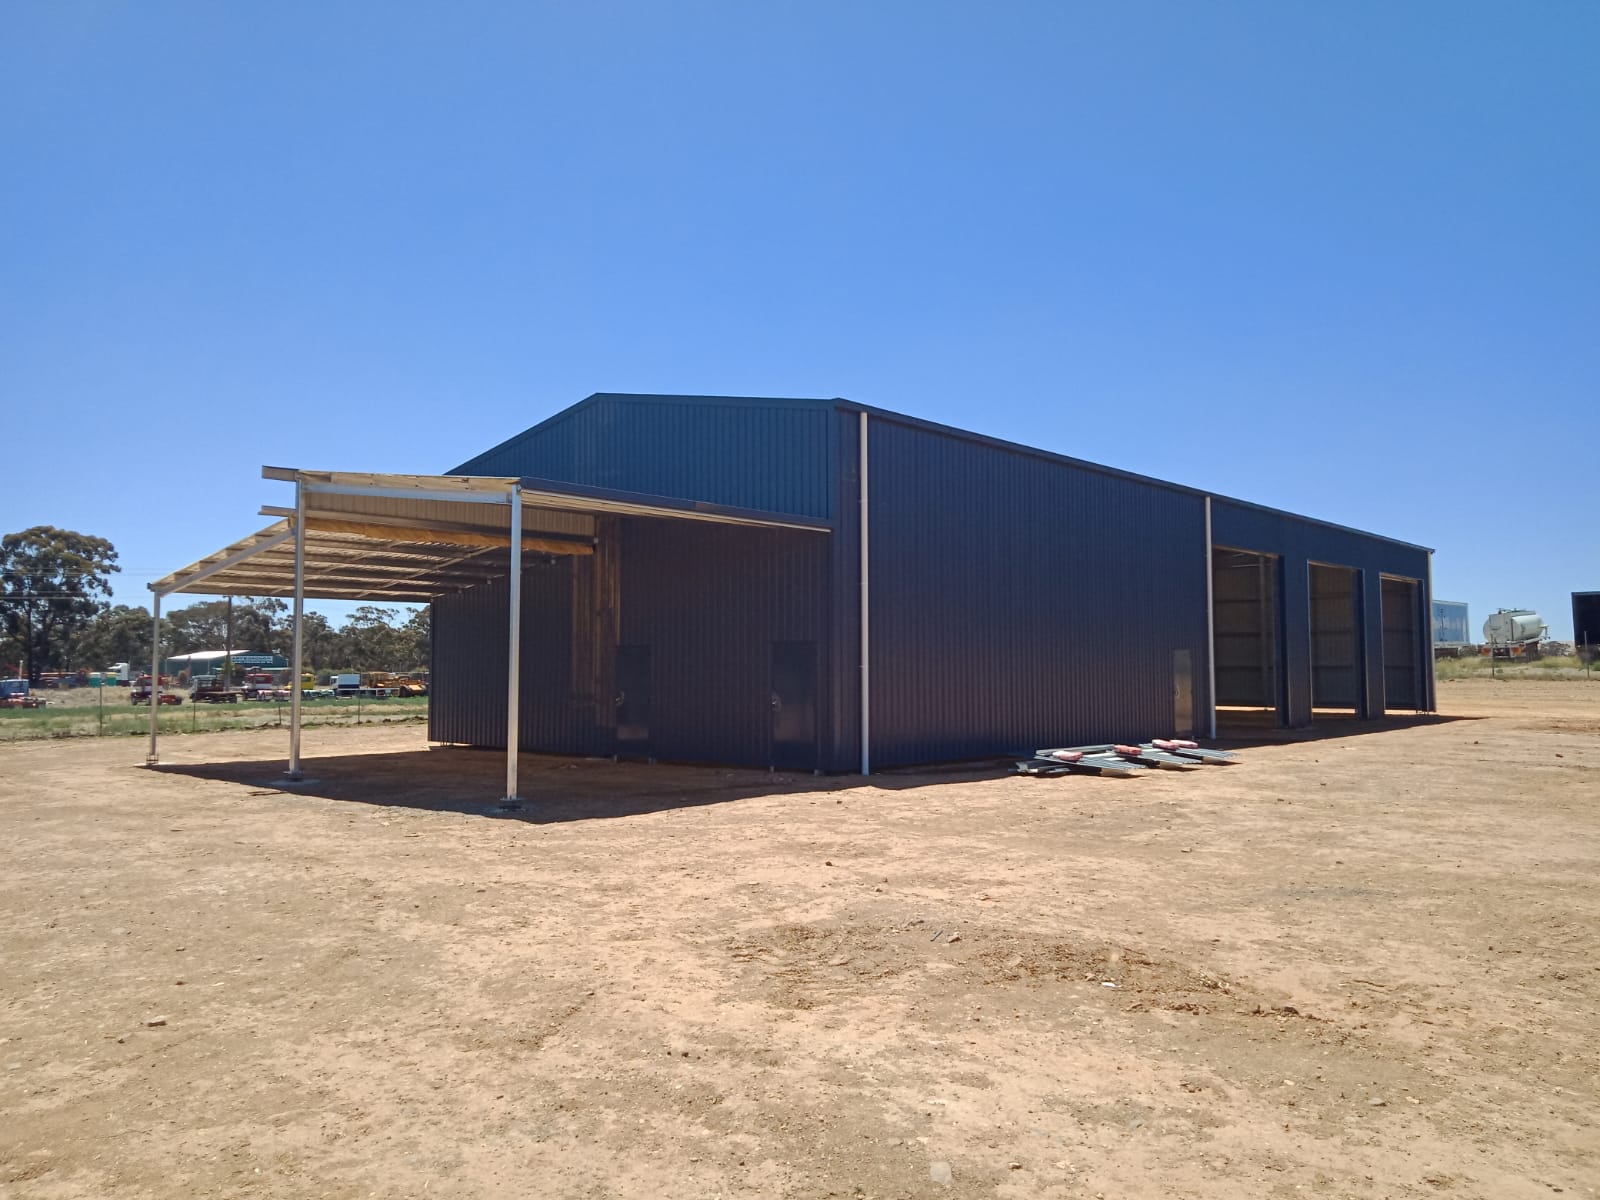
1211	627
299	622
514	652
151	757
866	596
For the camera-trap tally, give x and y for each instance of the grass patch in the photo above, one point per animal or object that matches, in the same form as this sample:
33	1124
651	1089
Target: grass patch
1568	666
124	719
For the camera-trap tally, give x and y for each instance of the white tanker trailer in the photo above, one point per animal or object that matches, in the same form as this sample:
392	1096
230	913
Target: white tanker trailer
1514	633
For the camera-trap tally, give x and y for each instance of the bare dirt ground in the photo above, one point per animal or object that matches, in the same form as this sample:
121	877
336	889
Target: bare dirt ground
1359	966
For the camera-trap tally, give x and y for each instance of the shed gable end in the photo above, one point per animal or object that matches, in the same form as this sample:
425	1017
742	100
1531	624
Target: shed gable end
772	455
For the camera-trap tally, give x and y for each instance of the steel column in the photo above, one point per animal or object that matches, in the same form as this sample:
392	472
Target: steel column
1294	603
1430	695
151	757
299	630
514	652
1373	701
866	611
1211	627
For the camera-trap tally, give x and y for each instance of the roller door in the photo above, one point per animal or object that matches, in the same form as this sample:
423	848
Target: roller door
1245	628
1335	637
1402	646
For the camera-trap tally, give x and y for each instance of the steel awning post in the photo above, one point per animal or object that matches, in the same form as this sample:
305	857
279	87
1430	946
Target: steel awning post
511	802
1211	629
866	608
152	757
299	630
1429	665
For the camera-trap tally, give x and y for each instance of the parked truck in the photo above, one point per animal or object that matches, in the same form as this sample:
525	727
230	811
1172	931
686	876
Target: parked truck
139	692
258	685
18	693
396	685
1514	633
375	685
210	689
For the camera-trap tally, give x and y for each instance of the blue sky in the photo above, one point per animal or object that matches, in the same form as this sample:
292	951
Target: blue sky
1340	259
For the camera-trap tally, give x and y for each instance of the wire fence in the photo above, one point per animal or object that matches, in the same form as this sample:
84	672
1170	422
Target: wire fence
112	715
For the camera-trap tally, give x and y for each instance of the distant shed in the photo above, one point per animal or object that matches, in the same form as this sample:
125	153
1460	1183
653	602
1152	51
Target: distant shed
1006	598
1452	627
1586	619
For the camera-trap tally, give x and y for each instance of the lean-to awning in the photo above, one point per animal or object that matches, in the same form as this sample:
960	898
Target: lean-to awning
410	538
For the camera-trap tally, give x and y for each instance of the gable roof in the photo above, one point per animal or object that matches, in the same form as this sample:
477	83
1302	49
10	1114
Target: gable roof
842	404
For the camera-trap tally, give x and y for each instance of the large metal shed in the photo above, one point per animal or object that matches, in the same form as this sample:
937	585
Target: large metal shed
975	597
821	585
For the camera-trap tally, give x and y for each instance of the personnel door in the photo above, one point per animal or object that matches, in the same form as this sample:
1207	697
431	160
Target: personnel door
633	700
794	706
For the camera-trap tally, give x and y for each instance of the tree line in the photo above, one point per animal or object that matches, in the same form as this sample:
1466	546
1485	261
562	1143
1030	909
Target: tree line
56	615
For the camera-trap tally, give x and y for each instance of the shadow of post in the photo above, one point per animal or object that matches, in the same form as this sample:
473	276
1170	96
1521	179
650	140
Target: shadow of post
553	789
1242	731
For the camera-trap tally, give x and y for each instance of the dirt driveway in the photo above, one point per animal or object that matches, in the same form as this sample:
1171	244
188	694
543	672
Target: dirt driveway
1362	966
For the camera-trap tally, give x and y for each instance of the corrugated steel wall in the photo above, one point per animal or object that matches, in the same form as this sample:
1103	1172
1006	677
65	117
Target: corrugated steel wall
1300	542
775	455
842	716
708	600
1019	603
468	682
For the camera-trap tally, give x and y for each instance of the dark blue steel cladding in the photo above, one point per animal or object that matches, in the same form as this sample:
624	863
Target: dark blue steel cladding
1245	527
1018	599
468	684
1301	541
1020	603
708	600
774	455
842	716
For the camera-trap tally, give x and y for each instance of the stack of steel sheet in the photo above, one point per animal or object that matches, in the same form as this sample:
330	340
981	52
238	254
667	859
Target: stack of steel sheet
1168	754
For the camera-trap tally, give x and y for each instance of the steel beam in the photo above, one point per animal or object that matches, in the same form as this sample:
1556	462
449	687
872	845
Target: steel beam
390	493
232	560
